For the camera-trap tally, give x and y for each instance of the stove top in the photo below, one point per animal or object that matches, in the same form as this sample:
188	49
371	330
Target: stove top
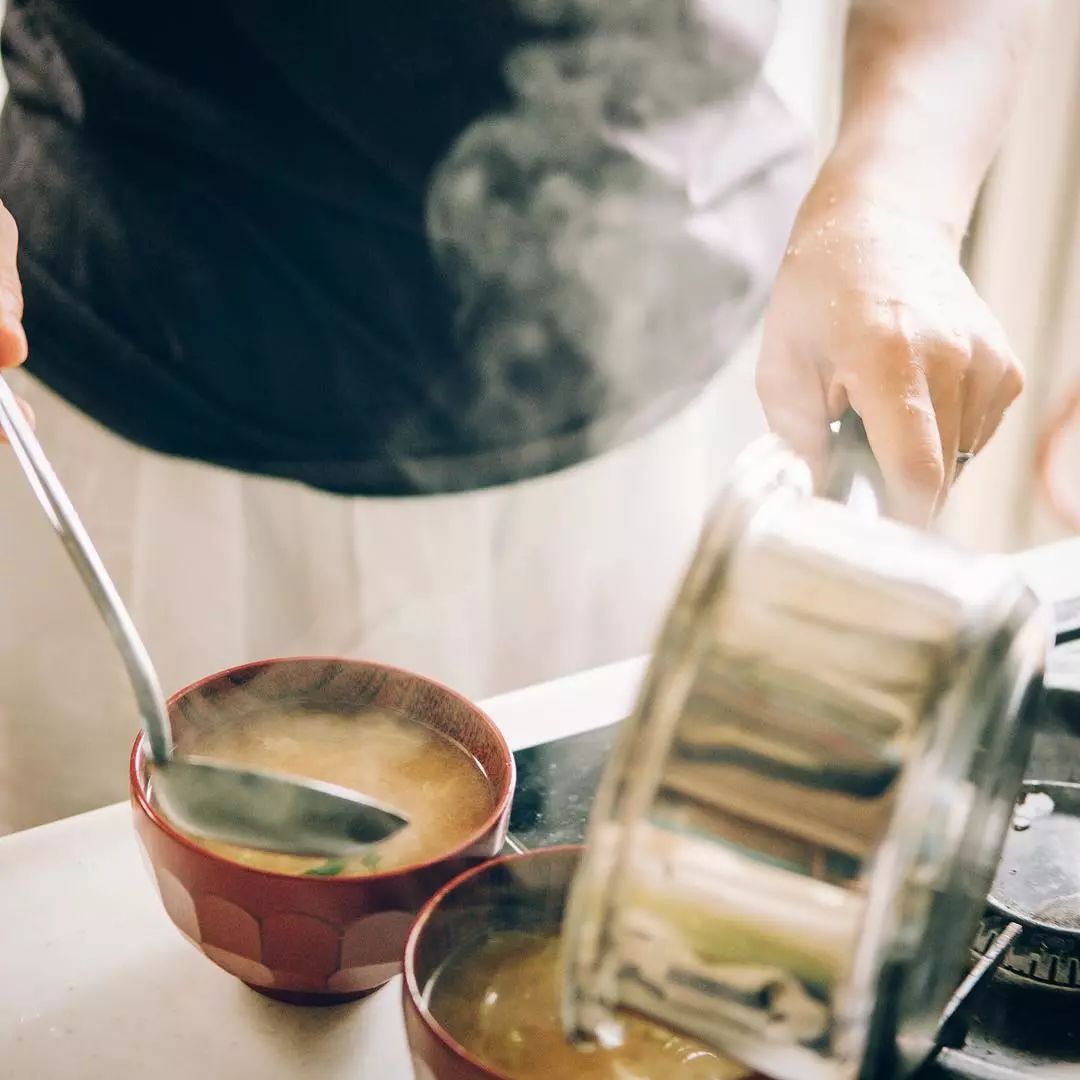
1017	1032
1011	1029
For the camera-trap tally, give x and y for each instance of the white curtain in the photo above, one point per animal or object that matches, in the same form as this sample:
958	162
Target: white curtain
1025	261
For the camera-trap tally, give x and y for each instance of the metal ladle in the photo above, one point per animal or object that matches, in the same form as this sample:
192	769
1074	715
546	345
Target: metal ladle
250	807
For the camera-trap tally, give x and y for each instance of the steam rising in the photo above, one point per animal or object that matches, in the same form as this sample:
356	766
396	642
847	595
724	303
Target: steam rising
609	237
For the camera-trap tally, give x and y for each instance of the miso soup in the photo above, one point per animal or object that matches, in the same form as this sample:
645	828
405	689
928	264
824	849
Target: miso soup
393	758
500	1000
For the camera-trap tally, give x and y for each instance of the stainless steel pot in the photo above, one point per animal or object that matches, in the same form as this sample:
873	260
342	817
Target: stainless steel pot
795	838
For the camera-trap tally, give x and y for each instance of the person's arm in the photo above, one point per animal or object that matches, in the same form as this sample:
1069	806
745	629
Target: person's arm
871	307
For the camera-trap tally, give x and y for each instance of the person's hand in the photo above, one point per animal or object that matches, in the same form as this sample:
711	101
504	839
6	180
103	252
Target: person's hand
13	347
871	308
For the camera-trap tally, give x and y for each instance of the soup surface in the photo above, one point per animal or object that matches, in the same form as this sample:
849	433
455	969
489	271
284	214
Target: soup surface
500	1000
398	761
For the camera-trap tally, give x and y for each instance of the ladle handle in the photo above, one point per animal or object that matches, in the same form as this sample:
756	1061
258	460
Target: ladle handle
854	477
69	528
953	1025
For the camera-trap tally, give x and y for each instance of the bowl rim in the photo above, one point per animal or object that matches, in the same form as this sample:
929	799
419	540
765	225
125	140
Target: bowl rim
503	799
408	964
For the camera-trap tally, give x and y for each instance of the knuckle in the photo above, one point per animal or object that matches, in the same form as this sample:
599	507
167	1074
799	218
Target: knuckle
952	355
1013	379
922	470
892	343
882	357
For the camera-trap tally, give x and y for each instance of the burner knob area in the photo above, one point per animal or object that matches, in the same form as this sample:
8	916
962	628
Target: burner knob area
1037	958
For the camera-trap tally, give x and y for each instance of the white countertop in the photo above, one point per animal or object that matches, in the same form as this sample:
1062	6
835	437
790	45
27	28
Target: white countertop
96	984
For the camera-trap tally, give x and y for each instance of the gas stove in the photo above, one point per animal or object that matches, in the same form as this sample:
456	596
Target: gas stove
1021	1020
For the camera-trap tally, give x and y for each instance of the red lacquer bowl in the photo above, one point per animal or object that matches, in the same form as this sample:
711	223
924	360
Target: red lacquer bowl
313	940
515	892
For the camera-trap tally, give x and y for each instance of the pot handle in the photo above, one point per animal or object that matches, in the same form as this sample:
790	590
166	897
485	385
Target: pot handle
854	477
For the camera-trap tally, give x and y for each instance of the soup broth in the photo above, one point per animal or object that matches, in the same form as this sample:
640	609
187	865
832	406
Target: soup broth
500	1000
392	758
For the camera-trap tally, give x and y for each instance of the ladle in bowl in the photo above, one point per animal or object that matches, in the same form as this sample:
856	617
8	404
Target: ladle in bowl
251	807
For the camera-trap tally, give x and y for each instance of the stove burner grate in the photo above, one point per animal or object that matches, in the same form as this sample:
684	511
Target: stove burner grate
1038	888
1049	961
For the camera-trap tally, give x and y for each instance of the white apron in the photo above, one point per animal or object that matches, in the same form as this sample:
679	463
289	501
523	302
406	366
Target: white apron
486	591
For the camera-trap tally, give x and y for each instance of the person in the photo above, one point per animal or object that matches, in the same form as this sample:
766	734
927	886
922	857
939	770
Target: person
394	331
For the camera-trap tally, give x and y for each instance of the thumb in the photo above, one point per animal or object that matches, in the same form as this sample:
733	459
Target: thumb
13	347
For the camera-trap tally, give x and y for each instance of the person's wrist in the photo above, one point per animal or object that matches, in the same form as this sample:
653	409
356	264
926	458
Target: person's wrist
862	190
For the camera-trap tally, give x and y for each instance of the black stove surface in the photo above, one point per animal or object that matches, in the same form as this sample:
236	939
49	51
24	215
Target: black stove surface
1023	1031
556	784
1018	1032
1014	1032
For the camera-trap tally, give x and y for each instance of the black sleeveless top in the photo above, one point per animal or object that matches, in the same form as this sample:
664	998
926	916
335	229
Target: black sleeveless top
390	247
